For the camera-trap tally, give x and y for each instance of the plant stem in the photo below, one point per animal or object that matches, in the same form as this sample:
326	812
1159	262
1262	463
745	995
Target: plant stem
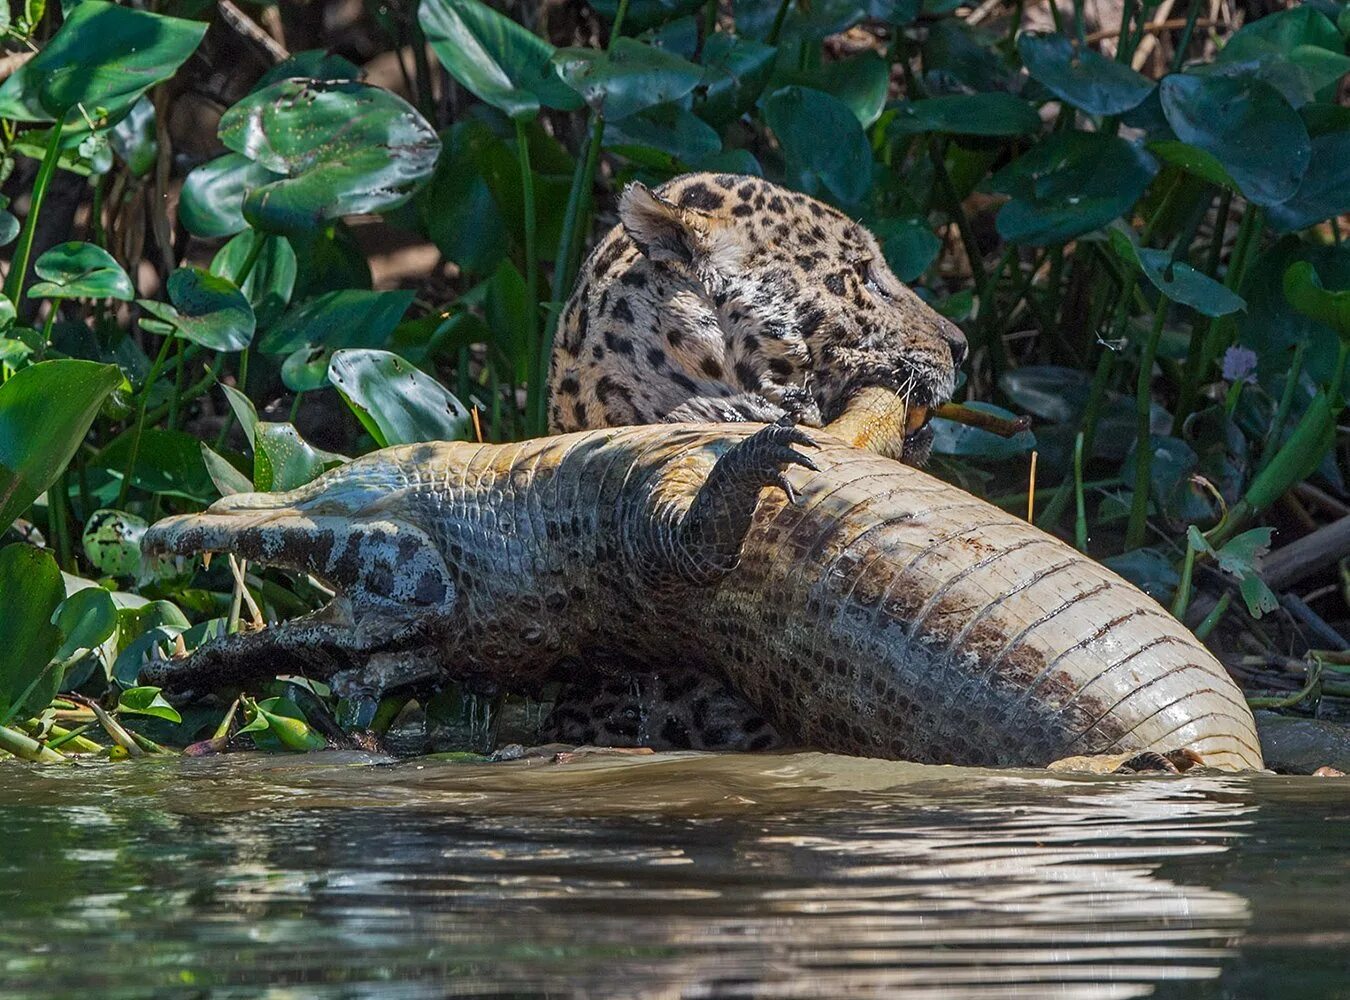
1143	453
23	250
778	20
27	748
535	389
1203	630
1181	600
47	329
1080	534
619	16
1200	327
140	421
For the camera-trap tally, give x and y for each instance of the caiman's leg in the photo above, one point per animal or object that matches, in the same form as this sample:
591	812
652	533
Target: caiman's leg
682	709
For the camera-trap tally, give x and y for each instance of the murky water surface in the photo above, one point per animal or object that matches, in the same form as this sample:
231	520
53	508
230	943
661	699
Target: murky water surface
671	876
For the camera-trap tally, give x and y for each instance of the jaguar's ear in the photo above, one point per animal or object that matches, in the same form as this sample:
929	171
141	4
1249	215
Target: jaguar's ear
662	230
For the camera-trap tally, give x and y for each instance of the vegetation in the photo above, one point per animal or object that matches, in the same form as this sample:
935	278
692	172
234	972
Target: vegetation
1136	224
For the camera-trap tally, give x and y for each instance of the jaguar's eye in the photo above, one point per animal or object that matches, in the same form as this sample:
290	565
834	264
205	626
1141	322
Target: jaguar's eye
863	268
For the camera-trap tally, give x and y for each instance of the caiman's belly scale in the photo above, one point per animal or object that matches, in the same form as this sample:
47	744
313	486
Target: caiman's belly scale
883	613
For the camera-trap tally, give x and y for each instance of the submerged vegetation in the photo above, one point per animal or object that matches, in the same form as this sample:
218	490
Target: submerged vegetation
246	242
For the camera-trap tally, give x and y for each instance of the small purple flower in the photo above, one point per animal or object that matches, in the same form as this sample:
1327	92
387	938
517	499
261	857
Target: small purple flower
1239	364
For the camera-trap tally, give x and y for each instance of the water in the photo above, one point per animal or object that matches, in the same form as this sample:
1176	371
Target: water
677	875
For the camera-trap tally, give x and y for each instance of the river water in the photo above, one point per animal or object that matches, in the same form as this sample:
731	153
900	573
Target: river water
673	875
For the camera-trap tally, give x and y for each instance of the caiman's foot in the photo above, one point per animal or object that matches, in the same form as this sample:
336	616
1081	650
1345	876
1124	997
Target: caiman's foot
1138	762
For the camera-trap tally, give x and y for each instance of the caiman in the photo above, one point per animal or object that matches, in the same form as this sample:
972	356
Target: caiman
859	604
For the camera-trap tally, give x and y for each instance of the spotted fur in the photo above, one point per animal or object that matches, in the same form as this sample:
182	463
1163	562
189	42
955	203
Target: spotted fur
723	297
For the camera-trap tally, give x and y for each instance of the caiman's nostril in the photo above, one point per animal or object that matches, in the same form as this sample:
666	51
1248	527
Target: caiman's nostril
956	343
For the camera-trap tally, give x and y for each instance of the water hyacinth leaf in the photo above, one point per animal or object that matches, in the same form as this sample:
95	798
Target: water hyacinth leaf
87	619
278	724
283	460
342	147
227	478
112	541
499	61
134	140
1082	77
103	57
1305	292
397	403
630	77
212	201
736	70
271	280
950	438
80	271
9	225
840	168
1070	184
306	369
139	631
31	583
45	411
168	463
1324	191
334	317
681	135
244	411
1246	125
1192	160
909	245
1184	284
457	206
147	701
206	309
1298	51
992	114
861	82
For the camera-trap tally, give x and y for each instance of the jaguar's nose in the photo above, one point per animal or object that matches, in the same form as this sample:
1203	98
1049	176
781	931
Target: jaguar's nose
956	342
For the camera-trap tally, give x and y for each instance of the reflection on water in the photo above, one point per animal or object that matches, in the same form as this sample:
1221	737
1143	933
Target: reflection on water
673	876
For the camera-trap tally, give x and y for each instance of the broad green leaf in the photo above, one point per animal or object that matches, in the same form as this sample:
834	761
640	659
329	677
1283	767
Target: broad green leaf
270	282
909	245
457	206
31	583
841	167
992	114
501	62
1082	77
1305	292
87	619
628	78
1180	282
283	460
680	135
134	139
1324	191
1271	326
212	200
1051	392
207	310
1297	51
1193	161
168	463
1240	553
9	225
112	541
336	317
147	701
397	402
1149	570
1246	125
1069	184
645	13
343	148
1258	597
959	439
227	478
861	82
45	410
103	57
278	724
141	629
244	411
80	271
736	71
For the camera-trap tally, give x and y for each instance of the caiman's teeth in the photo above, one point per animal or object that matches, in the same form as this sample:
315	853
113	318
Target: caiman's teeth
915	418
179	647
206	560
179	565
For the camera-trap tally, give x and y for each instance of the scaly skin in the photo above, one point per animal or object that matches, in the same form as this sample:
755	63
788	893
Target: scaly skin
884	613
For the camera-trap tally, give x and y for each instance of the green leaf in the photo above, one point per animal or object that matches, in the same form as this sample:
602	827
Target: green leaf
398	403
1246	125
283	460
1324	191
1193	161
1259	598
681	135
212	200
278	724
87	619
1305	292
227	478
147	701
207	310
168	463
31	583
45	410
333	318
861	82
841	167
992	114
313	64
1082	77
1239	554
269	284
1298	51
342	148
80	271
103	57
244	411
457	206
112	542
1180	282
736	71
1069	184
134	138
493	57
628	78
909	245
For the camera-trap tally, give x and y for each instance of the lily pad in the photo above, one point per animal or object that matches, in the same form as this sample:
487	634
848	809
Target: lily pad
992	114
1070	184
396	402
628	78
343	148
841	167
103	57
212	201
45	411
1082	77
499	61
80	271
207	309
1246	125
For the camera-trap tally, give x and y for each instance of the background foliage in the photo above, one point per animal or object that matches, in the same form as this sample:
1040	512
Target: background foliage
247	241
